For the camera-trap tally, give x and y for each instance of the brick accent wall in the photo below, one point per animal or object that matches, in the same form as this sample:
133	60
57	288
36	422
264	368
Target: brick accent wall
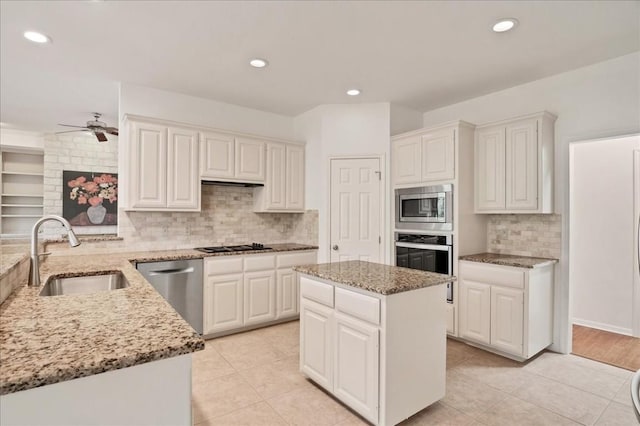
537	235
73	152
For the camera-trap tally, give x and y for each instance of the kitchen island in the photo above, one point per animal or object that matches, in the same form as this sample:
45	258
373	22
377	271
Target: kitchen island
374	336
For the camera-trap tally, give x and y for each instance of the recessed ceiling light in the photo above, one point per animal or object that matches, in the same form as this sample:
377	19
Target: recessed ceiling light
258	63
36	37
505	24
353	92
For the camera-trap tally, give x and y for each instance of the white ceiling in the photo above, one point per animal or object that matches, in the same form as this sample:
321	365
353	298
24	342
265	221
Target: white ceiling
419	54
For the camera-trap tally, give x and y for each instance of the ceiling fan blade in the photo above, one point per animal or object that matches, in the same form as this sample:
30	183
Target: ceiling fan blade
101	136
70	125
70	131
111	130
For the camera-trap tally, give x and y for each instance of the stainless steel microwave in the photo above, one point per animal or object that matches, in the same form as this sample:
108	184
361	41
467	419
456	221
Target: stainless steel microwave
428	208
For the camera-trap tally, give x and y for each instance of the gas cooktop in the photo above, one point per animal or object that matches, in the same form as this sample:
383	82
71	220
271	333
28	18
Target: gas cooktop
227	249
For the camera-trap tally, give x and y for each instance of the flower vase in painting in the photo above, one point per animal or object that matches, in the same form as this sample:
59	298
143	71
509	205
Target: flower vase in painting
90	198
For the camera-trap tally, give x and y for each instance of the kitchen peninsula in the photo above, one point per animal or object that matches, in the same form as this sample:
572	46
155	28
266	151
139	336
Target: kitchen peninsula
374	336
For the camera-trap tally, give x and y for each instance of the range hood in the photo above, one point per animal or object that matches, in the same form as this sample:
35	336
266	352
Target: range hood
223	183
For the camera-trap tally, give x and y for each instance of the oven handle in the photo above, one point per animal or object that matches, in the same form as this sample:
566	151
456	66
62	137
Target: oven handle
424	246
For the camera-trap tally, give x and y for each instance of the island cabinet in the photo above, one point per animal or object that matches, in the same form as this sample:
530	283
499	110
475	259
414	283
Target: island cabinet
383	355
506	309
245	291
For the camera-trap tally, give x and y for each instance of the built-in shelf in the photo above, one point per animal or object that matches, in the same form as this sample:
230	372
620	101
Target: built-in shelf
23	174
21	191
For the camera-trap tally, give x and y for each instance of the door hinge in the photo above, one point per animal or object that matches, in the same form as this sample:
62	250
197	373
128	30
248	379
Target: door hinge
379	240
379	173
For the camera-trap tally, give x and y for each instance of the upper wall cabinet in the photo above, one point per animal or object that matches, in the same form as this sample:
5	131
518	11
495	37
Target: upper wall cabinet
514	165
283	189
424	157
163	168
226	157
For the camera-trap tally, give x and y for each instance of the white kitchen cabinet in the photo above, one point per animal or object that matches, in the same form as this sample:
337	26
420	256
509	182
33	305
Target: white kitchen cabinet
356	355
223	303
424	156
316	342
356	345
183	184
514	165
407	160
245	291
249	159
217	155
163	168
259	296
438	160
475	311
283	189
506	309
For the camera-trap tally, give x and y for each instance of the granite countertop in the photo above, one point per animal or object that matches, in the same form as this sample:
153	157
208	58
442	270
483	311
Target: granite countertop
10	255
375	277
509	260
44	340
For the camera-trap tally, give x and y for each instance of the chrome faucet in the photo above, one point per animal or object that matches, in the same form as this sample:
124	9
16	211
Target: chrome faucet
34	273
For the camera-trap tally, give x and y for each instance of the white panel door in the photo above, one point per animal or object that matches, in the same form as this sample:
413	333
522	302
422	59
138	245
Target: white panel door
295	178
250	164
286	293
316	343
475	311
276	184
407	160
148	168
356	226
217	155
507	320
522	166
259	296
183	182
438	159
490	169
223	303
355	378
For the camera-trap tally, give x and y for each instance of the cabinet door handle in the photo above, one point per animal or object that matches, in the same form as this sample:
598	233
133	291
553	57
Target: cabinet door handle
335	247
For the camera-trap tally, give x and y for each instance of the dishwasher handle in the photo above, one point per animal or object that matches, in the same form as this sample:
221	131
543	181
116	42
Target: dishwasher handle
172	271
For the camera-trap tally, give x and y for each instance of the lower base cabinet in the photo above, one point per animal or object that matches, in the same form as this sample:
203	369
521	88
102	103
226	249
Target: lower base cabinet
382	355
244	291
506	309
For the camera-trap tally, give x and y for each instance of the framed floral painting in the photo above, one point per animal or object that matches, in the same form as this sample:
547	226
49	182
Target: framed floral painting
90	198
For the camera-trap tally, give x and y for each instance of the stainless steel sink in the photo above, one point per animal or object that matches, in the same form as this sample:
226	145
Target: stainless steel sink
84	284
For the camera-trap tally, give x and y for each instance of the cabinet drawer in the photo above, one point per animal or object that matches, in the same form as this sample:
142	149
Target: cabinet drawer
492	274
358	305
314	290
293	259
259	263
223	265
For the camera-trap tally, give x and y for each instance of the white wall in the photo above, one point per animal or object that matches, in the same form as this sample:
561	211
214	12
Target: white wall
173	106
341	130
595	101
602	238
404	119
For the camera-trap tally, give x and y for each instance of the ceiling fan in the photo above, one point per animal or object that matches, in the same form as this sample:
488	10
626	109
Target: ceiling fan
95	126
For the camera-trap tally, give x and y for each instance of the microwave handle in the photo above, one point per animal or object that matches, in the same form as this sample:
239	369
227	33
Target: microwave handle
423	246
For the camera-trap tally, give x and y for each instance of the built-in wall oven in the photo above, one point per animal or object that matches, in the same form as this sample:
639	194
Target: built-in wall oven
433	253
428	208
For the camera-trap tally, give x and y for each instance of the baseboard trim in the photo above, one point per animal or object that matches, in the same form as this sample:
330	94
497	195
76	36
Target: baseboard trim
604	327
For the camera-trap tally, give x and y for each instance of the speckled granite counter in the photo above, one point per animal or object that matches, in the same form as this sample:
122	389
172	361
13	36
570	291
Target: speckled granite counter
508	260
375	277
46	340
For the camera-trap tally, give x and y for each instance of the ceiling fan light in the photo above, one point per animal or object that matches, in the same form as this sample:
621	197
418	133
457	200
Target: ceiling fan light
37	37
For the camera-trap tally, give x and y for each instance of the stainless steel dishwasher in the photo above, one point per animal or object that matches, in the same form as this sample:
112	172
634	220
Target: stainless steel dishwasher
180	283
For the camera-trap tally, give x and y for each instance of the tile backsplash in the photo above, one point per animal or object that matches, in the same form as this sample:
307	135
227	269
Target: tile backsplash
227	217
537	235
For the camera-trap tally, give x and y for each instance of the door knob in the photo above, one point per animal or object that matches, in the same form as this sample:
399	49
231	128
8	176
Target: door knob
335	247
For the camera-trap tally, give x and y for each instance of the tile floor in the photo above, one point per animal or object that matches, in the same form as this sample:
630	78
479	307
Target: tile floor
252	378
